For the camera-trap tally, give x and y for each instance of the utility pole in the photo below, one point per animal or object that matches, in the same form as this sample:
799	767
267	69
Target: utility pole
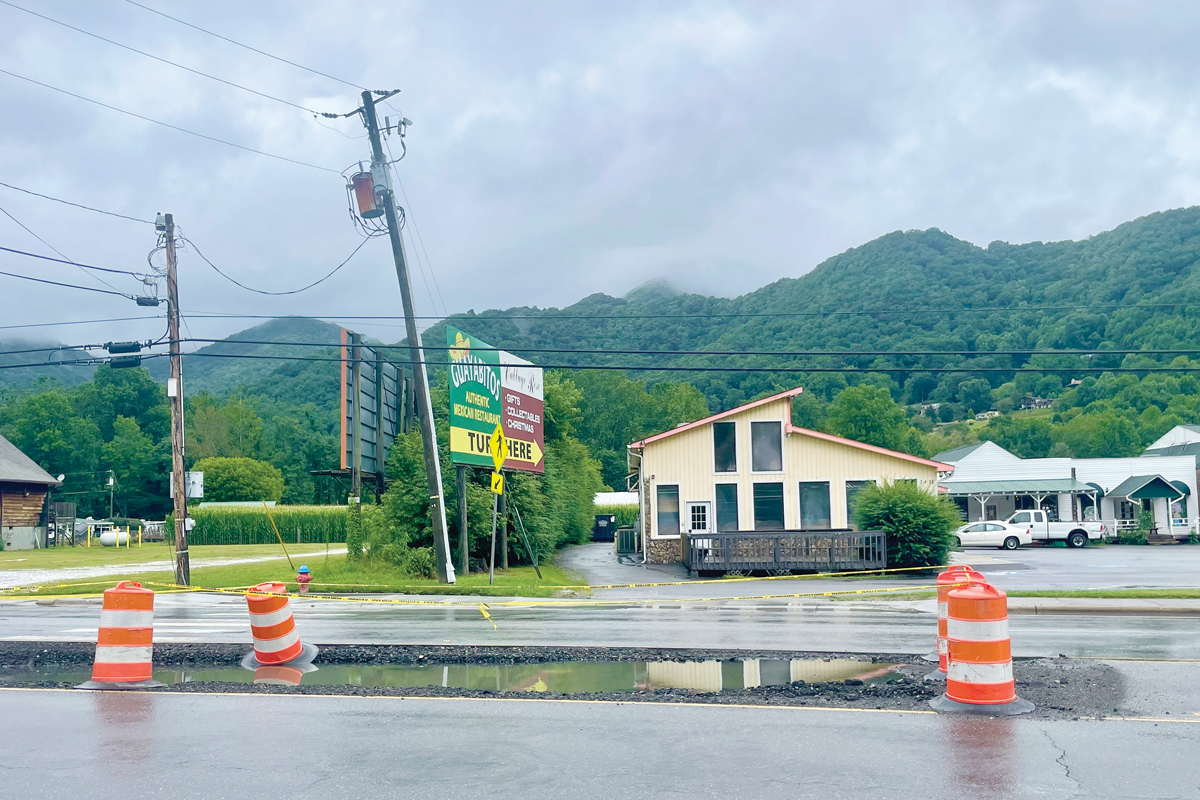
183	569
433	466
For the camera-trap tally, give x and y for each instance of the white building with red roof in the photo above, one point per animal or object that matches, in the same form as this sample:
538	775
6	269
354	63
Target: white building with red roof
751	469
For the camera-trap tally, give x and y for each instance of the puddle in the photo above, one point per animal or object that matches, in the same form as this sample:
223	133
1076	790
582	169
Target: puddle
564	677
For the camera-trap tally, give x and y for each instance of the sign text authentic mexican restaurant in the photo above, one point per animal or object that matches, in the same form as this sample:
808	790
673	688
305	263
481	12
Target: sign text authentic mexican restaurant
488	389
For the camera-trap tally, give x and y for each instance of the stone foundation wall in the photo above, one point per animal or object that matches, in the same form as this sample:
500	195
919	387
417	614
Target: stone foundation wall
664	551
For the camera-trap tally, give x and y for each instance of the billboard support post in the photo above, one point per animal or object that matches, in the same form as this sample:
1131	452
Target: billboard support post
433	467
464	542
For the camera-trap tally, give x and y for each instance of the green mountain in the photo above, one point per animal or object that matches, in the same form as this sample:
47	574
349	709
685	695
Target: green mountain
912	290
1127	288
41	353
236	361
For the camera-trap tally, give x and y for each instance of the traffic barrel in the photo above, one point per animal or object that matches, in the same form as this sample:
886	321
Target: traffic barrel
935	656
273	629
979	676
125	644
954	577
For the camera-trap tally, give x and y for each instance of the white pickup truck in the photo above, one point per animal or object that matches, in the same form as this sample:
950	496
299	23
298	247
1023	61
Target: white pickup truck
1043	529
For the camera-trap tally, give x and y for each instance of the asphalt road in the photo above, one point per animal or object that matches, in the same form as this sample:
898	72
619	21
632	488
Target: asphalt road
1030	568
129	745
741	624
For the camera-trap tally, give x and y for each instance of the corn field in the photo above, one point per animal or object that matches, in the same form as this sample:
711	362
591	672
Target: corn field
297	524
626	515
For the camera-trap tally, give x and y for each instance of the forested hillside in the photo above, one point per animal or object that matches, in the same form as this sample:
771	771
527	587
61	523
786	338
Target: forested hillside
1136	287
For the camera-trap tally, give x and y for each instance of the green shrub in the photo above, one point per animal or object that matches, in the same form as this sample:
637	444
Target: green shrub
1138	533
354	532
250	525
918	524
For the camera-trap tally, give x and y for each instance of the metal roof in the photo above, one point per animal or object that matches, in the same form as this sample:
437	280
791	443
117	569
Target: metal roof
1143	487
1181	449
950	456
16	467
1018	486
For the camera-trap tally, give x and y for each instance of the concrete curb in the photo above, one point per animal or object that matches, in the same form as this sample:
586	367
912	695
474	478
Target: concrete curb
1104	606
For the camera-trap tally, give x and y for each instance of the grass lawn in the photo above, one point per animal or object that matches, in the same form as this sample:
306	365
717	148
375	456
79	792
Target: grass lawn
1117	594
1100	594
332	575
96	556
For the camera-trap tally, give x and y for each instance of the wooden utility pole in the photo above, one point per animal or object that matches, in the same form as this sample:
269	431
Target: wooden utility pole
433	466
183	569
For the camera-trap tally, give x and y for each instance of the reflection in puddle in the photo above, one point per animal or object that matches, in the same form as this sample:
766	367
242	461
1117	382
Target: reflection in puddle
124	727
560	677
982	751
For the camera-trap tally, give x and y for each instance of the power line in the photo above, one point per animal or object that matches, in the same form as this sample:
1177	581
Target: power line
246	46
644	368
159	59
67	285
777	353
52	247
698	369
276	294
548	317
168	125
64	259
76	205
75	322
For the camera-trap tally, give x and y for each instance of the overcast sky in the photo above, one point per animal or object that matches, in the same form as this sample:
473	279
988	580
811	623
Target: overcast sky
561	149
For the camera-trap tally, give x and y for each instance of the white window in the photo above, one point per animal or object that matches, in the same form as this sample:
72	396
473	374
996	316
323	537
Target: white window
724	446
766	446
668	510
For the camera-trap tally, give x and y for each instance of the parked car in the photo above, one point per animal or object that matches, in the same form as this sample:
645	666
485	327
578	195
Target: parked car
993	534
1043	529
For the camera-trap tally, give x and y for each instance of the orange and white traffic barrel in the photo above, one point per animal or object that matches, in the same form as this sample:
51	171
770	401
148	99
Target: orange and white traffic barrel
979	675
954	577
276	640
125	644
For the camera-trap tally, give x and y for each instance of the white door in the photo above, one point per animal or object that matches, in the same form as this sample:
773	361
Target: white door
698	518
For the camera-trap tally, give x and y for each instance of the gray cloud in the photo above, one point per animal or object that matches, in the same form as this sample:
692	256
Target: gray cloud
563	149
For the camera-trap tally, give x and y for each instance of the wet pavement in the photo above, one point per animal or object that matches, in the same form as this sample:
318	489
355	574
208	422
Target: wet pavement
799	625
121	745
1028	569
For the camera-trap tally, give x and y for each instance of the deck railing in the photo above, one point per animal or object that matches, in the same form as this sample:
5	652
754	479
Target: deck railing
746	551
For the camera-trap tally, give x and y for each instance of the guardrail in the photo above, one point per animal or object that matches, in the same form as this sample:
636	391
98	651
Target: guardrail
745	551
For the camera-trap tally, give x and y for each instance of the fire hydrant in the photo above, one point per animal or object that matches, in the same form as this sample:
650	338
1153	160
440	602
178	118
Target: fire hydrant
303	576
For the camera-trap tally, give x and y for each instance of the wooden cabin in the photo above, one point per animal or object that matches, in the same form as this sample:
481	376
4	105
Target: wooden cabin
23	489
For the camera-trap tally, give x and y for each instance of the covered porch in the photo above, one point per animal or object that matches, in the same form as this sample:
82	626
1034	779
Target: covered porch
1166	501
1063	499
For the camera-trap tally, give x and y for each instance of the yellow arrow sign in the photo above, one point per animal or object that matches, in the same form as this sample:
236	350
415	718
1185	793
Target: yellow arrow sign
498	447
498	482
526	451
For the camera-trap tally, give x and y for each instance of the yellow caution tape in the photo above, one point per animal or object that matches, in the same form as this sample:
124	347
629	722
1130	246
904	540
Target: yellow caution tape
705	581
483	609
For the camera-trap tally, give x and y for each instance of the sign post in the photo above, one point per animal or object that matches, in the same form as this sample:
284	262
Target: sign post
496	444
